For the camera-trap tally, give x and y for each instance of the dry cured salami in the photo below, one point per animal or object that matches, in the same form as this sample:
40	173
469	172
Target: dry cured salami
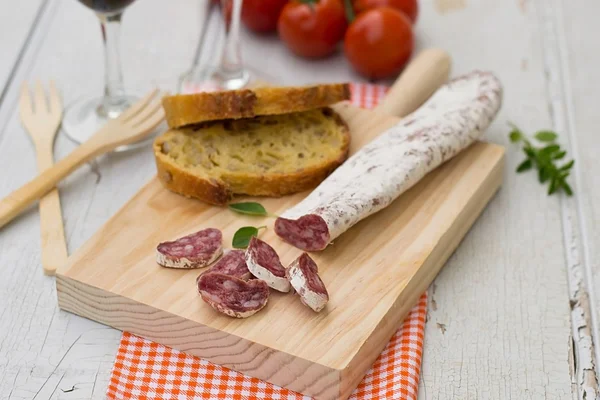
304	277
233	296
233	263
263	262
197	250
451	120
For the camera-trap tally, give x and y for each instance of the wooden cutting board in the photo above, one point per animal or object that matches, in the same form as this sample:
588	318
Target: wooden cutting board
374	273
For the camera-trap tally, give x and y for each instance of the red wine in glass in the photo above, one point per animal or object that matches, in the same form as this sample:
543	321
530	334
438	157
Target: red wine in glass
107	6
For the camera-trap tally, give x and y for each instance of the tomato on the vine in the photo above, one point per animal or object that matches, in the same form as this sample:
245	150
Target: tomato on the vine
312	30
408	7
261	15
379	42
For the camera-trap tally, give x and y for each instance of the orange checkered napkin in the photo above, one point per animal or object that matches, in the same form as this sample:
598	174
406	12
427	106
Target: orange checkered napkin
148	370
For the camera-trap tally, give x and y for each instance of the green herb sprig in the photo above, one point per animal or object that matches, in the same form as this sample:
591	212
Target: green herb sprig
349	11
241	238
348	8
545	159
251	208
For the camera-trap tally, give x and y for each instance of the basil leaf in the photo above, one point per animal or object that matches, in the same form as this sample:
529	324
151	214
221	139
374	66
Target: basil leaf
553	186
542	174
531	153
567	166
515	136
559	155
547	151
546	136
525	165
249	208
567	189
242	236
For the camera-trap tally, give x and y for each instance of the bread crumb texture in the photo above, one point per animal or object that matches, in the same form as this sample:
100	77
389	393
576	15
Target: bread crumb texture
268	155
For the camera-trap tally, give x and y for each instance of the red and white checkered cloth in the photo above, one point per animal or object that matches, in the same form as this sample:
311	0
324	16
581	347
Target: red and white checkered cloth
148	370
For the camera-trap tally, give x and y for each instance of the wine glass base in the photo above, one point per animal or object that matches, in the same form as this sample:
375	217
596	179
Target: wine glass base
210	79
232	81
86	116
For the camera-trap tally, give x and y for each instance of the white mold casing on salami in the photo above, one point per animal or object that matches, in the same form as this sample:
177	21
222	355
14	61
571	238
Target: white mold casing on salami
451	120
185	263
197	250
232	296
304	278
263	262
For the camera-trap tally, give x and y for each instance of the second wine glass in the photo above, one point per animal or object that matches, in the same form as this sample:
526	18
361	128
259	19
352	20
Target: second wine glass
223	25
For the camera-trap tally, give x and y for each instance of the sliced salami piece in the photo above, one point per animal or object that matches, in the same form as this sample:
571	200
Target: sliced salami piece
233	296
197	250
233	263
304	277
263	262
451	120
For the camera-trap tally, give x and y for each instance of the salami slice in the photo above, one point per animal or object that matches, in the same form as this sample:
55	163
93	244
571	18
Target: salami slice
451	120
304	277
197	250
233	296
263	262
233	263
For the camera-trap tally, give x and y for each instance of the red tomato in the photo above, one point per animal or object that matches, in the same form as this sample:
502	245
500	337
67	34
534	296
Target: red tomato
409	7
261	15
379	42
314	30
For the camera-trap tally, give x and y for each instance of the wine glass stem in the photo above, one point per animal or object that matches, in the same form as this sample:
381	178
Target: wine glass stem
231	60
114	100
212	17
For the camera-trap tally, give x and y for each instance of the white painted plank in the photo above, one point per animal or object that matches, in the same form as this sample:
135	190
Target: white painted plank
498	324
15	26
502	297
44	350
570	44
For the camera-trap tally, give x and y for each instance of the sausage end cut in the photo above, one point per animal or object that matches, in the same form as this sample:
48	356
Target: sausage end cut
304	277
308	233
263	262
232	296
197	250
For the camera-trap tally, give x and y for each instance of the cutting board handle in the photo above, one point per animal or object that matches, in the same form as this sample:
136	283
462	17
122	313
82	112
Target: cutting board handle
427	71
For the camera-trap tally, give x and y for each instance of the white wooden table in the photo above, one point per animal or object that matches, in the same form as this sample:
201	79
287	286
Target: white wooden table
511	315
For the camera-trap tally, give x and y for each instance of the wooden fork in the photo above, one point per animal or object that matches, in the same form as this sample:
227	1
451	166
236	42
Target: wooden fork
134	124
41	118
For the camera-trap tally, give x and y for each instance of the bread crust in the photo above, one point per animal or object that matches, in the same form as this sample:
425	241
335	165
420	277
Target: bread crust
181	181
220	192
187	109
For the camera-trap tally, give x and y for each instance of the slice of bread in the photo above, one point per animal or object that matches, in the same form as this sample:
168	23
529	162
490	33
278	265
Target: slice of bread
262	156
187	109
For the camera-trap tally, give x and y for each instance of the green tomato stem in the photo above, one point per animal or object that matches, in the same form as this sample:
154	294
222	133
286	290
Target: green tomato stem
349	11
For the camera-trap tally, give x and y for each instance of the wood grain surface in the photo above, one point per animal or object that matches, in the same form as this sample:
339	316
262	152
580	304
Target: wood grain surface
499	317
374	273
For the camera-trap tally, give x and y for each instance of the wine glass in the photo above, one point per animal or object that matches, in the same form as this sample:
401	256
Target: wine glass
231	74
221	25
87	114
